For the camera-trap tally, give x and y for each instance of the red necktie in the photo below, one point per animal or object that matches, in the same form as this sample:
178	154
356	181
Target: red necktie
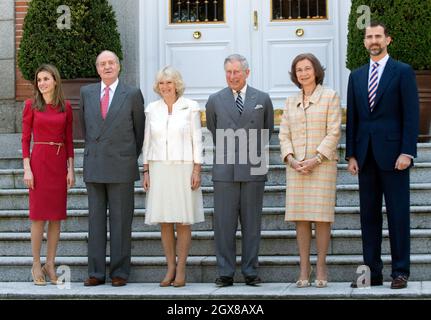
104	103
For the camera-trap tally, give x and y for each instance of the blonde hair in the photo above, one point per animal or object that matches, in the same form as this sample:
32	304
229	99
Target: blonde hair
169	73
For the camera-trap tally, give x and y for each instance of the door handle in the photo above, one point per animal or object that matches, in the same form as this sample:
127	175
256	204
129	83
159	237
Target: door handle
255	20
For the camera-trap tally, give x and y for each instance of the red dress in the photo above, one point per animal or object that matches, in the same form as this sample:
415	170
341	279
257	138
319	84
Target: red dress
48	162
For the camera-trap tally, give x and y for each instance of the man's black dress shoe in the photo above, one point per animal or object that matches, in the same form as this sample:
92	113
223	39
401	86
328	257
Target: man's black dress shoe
224	281
374	282
400	282
252	280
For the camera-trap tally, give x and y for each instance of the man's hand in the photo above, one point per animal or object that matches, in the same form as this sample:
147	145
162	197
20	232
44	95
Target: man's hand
353	167
403	162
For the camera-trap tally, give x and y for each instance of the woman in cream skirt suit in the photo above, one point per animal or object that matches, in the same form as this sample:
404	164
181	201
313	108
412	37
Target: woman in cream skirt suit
309	135
172	156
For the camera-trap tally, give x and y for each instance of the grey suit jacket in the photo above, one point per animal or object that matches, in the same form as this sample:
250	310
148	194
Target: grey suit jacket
222	113
113	145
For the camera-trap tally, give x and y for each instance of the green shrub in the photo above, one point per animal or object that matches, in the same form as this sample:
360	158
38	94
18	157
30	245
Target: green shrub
73	51
409	24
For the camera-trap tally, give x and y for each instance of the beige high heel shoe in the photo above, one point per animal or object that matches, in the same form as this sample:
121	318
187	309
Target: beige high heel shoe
53	279
38	280
178	284
168	282
320	283
306	282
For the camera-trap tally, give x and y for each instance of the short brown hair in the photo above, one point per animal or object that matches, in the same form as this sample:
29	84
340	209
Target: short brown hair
58	97
375	23
319	70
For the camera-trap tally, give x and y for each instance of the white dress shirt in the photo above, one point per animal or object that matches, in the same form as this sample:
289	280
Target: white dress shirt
175	137
382	64
243	91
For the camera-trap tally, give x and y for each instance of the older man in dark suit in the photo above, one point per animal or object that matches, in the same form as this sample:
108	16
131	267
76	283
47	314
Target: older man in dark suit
382	130
242	114
113	119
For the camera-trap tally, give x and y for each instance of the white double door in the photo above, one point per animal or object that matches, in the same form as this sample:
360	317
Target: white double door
269	46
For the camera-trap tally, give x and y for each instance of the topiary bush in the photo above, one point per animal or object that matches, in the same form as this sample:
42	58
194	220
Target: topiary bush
73	51
409	24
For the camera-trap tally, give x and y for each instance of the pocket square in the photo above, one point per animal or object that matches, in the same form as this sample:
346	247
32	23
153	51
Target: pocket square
259	106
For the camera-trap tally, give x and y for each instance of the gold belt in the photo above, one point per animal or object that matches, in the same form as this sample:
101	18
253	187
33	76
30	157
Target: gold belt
59	144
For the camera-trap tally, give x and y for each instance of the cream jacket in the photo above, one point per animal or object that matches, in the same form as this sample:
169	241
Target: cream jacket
315	127
176	137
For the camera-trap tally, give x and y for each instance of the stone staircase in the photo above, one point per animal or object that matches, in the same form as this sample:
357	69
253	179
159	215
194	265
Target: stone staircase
278	254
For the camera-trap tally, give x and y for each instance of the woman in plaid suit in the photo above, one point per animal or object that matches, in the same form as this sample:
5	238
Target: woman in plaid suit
309	134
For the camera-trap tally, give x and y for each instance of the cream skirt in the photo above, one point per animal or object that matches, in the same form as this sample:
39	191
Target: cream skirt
170	198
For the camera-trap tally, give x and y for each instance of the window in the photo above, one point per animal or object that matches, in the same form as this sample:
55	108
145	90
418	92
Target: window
196	11
299	9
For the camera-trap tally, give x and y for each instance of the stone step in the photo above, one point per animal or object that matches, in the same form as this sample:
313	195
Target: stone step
346	218
202	269
281	242
274	196
420	173
270	297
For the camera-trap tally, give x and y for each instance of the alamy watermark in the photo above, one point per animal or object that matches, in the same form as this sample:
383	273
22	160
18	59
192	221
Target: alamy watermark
241	146
364	19
364	279
64	21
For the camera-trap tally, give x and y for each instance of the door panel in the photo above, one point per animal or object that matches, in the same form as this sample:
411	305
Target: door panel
200	59
201	65
269	43
282	40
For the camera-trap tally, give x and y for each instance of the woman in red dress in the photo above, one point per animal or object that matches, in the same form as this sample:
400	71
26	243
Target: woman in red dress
48	172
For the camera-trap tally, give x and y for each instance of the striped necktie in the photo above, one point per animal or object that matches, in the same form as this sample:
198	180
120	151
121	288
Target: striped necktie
372	87
239	102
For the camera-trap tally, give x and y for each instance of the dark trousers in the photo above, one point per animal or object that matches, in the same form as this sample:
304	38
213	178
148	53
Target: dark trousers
119	197
395	187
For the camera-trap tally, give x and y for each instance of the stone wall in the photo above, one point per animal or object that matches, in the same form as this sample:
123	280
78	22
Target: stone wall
7	67
127	14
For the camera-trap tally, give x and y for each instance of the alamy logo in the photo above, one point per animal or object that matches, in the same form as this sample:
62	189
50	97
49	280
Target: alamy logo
64	21
243	147
364	19
364	280
64	279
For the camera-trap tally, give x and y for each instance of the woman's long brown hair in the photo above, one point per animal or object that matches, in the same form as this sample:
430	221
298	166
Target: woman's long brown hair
58	96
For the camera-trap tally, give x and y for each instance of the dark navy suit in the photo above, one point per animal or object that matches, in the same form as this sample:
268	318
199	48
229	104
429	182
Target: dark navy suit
376	139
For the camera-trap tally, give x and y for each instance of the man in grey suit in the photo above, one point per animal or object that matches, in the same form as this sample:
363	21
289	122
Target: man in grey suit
113	119
246	114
